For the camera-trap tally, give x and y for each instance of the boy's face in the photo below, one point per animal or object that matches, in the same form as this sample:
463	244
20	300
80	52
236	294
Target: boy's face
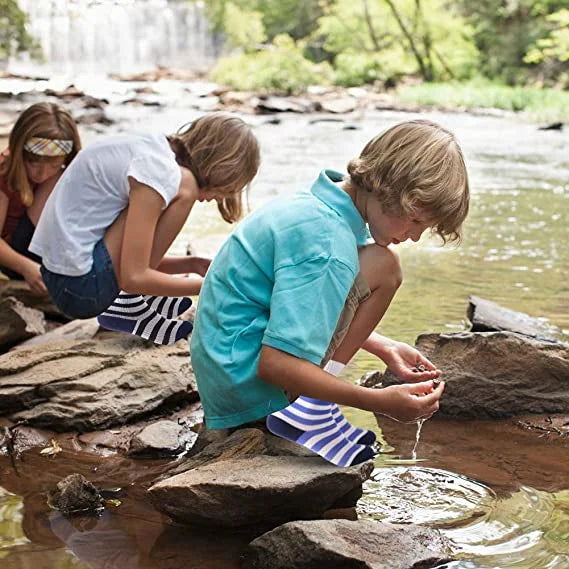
388	228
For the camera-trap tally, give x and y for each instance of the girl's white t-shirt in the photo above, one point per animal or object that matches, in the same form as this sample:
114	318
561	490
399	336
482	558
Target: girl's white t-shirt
93	191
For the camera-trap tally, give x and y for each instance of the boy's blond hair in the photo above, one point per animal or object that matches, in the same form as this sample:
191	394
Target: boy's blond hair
416	165
44	120
223	154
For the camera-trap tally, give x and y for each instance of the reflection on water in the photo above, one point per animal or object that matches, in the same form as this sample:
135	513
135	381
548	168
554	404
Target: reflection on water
514	252
527	529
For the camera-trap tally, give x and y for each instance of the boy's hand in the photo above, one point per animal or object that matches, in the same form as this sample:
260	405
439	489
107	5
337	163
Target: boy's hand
410	402
408	363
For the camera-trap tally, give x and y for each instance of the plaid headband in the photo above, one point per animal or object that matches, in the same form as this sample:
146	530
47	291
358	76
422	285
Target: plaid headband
48	147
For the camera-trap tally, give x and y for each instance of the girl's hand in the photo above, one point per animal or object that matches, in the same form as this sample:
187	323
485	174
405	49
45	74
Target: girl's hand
198	265
408	363
410	402
33	277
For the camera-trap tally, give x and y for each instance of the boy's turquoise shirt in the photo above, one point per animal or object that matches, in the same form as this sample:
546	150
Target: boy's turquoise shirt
280	280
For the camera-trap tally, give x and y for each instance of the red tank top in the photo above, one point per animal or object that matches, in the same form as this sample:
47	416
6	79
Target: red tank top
15	210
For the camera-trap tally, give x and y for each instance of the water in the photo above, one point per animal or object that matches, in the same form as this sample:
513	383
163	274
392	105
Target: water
417	437
499	495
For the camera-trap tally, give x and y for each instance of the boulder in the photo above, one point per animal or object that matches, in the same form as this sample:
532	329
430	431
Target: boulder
344	544
340	106
18	322
21	291
487	316
75	494
162	438
260	491
495	374
75	330
93	384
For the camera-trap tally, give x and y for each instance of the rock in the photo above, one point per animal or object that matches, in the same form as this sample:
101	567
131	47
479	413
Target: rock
17	322
70	92
95	383
343	544
487	316
21	291
75	494
284	105
75	330
340	106
495	374
161	438
256	491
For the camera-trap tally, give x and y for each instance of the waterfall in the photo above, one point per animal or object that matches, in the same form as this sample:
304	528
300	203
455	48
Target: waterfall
104	36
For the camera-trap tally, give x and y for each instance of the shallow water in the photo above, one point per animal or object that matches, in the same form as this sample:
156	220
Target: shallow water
502	500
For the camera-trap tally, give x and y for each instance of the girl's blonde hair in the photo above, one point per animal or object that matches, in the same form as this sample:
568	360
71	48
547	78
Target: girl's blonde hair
43	120
223	154
416	165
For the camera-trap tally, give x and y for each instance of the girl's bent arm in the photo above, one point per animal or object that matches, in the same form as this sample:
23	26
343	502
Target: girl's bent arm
136	274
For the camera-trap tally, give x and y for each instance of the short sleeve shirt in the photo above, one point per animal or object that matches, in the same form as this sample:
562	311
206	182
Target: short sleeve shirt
280	280
93	191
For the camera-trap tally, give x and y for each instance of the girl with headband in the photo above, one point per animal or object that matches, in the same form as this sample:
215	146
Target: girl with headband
42	143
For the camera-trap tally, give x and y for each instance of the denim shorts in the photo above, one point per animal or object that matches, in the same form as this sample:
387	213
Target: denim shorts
88	295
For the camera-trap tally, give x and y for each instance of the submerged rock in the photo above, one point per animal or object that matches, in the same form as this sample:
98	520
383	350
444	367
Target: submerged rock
75	494
495	374
93	384
343	544
258	491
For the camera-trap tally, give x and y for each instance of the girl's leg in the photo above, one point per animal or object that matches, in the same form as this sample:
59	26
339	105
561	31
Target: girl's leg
149	317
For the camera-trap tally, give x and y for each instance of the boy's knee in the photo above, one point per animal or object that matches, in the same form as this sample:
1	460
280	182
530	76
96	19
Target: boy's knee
380	267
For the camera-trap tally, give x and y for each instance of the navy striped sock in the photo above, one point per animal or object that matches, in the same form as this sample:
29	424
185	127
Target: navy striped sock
168	306
131	314
309	422
355	434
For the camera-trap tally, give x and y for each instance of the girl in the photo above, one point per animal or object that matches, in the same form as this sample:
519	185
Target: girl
42	143
116	211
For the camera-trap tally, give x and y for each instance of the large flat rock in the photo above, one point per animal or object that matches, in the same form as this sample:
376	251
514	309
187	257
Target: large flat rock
343	544
258	491
93	384
496	374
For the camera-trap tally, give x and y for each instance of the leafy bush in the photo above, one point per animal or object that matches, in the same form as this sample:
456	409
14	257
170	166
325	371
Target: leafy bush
281	68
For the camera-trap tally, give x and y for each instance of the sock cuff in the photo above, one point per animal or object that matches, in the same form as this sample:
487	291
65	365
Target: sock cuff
334	367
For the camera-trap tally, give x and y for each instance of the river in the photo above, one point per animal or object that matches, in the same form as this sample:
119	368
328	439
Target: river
502	503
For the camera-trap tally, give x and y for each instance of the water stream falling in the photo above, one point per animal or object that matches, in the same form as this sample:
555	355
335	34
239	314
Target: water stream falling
102	36
417	436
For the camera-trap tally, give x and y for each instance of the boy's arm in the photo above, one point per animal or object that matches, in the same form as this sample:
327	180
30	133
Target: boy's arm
407	402
402	359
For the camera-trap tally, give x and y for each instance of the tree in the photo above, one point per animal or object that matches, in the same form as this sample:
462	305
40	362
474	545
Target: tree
13	34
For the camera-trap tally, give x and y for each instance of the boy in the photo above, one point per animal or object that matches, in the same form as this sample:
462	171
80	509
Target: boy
295	292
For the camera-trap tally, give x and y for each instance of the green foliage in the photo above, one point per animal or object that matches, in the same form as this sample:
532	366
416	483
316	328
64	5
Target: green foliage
387	39
243	28
13	34
505	31
540	104
554	47
280	69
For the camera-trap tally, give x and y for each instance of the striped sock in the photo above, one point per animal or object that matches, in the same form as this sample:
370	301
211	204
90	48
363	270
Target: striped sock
168	306
355	434
309	422
130	313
